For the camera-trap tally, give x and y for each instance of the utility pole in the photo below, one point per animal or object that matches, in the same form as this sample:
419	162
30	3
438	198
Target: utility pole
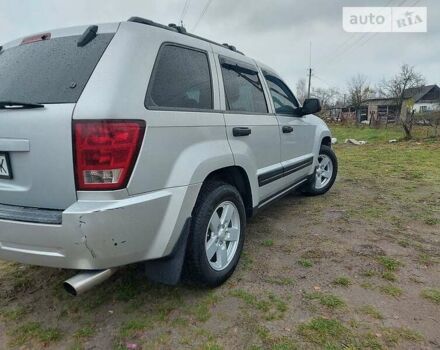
310	70
310	78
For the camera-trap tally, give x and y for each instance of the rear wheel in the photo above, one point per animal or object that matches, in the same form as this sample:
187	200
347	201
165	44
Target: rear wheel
217	234
325	173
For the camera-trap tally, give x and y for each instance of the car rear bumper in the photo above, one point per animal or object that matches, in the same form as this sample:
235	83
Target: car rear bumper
102	234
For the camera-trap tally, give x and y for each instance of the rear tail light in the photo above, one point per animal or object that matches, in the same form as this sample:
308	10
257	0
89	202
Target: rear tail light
105	152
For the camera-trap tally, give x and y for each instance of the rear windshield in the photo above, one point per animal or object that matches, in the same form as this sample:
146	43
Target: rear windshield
50	71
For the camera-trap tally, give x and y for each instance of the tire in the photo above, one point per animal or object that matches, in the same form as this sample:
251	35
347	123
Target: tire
316	188
215	198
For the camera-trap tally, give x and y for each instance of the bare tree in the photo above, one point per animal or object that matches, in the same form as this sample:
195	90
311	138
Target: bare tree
301	90
395	88
327	97
358	91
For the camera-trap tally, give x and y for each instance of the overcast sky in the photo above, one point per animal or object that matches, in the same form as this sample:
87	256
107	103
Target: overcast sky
276	32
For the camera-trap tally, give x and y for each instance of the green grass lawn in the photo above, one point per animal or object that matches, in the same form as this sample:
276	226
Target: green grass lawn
371	135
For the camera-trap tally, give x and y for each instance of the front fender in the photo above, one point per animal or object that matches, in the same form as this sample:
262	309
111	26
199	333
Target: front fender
321	131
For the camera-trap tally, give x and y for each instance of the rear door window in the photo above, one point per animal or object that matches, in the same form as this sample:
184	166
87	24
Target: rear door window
181	79
283	99
49	71
243	89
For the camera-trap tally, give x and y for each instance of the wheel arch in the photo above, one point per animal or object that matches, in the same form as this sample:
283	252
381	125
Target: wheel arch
326	141
237	177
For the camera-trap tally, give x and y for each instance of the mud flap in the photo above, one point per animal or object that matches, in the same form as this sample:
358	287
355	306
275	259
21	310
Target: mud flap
168	270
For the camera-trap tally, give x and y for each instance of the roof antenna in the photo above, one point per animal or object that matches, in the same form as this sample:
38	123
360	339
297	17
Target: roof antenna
179	29
87	36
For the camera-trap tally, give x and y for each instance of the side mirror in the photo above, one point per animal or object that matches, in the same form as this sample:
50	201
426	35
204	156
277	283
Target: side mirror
310	106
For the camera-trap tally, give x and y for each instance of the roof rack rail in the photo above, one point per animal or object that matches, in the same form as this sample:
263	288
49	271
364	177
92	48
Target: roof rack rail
179	29
150	23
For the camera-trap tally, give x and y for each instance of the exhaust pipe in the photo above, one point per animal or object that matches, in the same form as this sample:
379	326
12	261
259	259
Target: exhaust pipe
86	280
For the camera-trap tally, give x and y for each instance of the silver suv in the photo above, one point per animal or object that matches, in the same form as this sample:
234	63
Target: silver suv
138	142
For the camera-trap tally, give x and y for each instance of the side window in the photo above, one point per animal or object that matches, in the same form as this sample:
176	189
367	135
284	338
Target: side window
181	79
283	99
243	89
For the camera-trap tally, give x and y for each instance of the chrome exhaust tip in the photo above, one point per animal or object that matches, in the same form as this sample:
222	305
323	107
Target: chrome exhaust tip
86	280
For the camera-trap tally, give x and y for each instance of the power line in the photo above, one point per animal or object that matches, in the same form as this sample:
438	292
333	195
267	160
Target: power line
360	40
184	11
323	80
202	14
338	49
374	34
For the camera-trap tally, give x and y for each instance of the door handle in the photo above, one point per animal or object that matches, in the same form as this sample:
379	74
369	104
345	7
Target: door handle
241	131
287	129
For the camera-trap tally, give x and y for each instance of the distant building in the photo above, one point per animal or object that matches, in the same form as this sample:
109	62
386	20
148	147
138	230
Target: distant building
426	98
423	99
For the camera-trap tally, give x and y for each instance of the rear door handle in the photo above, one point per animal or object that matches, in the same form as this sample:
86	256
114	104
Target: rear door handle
287	129
241	131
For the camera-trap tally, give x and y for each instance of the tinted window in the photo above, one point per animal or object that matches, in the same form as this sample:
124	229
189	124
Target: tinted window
50	71
243	90
283	99
181	79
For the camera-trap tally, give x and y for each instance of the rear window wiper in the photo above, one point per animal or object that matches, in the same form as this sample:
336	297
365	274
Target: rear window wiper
18	105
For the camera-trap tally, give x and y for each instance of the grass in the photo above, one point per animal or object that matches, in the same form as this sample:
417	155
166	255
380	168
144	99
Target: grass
247	297
84	332
272	307
305	263
321	330
280	281
371	135
15	314
284	345
389	276
412	163
368	273
246	261
329	300
366	133
432	295
333	334
388	263
35	331
367	285
404	243
393	336
342	281
426	259
211	346
202	309
267	243
391	290
130	327
432	221
371	311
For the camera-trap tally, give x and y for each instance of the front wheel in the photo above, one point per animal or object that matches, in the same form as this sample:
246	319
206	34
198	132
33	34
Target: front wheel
325	173
217	234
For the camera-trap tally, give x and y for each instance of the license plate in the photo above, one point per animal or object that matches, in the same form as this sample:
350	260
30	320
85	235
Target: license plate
5	166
